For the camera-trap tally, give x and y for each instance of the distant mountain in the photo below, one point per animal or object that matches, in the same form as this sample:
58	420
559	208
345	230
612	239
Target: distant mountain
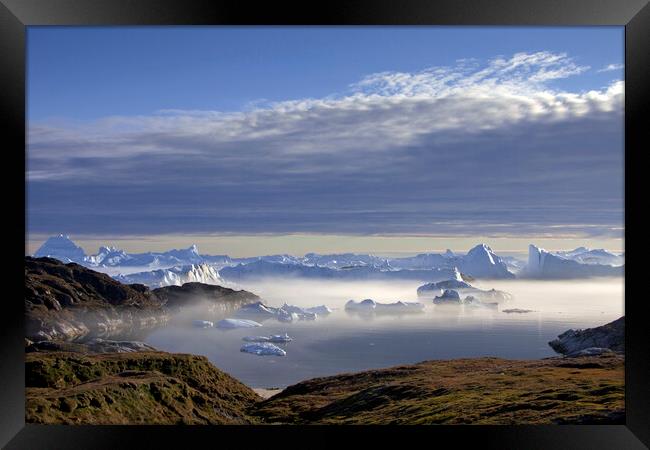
62	248
544	264
174	267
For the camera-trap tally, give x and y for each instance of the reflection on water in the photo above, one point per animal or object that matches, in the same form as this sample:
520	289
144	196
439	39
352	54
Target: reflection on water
345	342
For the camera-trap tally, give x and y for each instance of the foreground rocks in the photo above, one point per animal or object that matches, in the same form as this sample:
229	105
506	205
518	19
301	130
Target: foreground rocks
65	302
596	340
462	391
133	388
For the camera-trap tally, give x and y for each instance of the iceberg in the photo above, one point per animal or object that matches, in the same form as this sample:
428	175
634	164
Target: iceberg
263	349
286	313
448	296
202	324
320	310
548	265
257	309
433	289
599	256
300	312
364	305
461	287
174	276
237	323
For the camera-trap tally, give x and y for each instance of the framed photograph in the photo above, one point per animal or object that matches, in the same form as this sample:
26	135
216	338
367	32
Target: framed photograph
390	222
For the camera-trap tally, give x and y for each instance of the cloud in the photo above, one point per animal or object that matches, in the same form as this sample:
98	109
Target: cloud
611	67
441	150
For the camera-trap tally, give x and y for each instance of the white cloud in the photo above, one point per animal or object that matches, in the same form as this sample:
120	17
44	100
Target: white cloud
380	113
611	67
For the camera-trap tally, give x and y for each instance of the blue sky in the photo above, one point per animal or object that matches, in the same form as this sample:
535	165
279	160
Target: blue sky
390	130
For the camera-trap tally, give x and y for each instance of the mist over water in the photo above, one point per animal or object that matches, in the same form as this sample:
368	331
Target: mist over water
344	342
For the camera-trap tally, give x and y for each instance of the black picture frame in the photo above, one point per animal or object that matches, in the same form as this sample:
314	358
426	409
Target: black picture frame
15	15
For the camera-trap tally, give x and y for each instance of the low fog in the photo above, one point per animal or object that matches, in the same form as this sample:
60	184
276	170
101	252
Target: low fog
587	296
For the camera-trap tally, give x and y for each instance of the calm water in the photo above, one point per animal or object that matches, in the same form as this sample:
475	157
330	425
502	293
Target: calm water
344	343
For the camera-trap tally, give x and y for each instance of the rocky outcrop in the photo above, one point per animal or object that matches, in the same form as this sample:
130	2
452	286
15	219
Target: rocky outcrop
592	340
219	300
65	302
69	301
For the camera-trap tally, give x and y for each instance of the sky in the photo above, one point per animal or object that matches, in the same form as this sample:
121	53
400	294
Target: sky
384	139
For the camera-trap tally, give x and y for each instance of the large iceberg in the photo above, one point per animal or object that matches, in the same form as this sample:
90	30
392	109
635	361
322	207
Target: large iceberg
544	264
237	323
479	262
174	276
263	349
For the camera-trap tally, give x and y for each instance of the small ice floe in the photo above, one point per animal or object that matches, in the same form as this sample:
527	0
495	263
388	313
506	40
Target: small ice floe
517	310
202	324
263	349
237	323
302	313
275	338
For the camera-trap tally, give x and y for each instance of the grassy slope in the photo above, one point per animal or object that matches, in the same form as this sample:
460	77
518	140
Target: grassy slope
132	388
476	391
163	388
